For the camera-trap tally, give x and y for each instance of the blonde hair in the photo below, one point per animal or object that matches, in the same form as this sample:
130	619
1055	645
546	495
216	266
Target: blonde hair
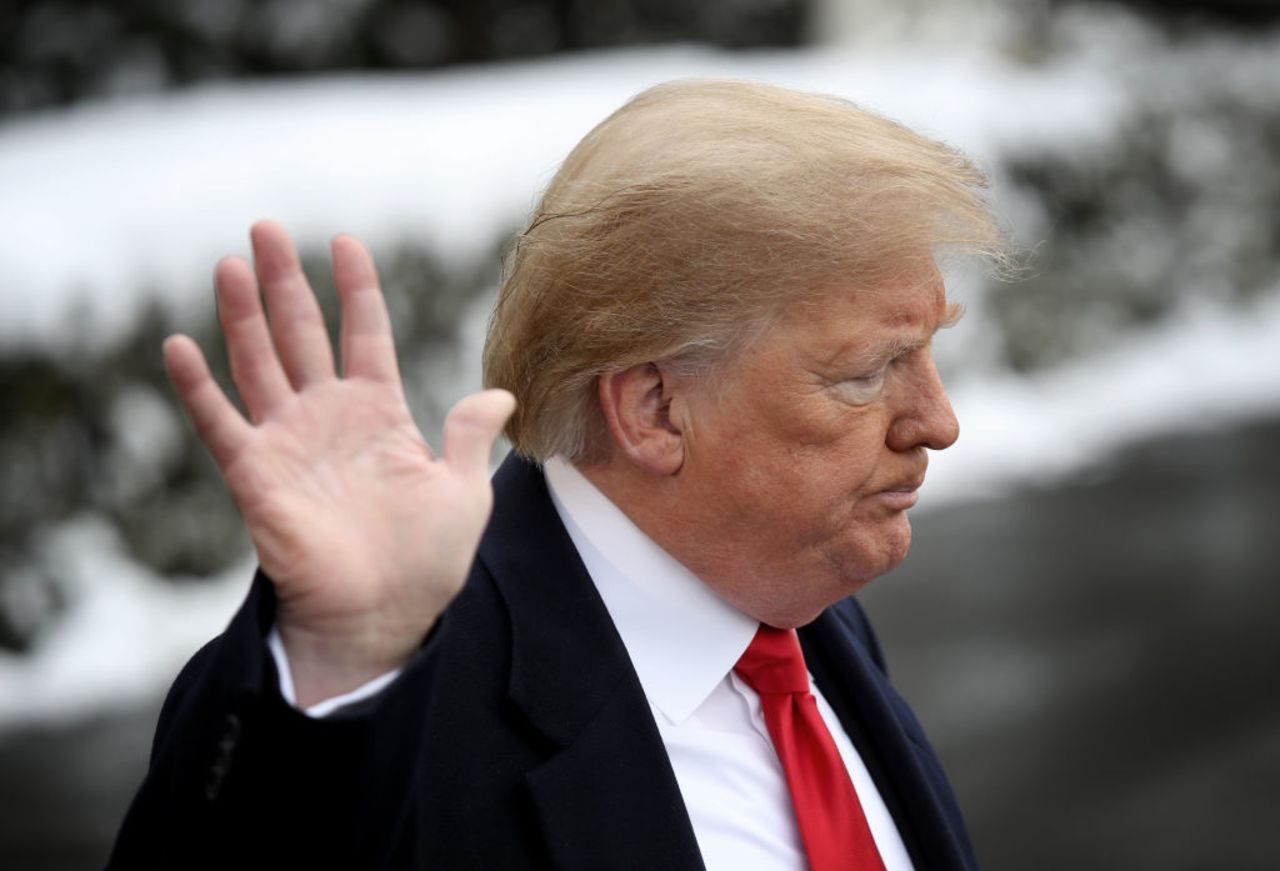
688	219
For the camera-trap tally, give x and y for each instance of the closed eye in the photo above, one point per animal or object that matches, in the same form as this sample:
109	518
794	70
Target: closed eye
863	389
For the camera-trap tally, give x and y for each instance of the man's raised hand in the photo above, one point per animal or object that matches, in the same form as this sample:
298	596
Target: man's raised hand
365	534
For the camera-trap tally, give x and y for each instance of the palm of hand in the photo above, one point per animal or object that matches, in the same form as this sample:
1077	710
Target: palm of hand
365	534
327	485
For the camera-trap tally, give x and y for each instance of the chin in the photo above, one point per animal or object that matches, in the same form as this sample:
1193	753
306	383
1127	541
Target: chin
868	561
896	557
897	544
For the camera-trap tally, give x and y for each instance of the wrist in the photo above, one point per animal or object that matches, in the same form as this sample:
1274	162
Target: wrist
326	663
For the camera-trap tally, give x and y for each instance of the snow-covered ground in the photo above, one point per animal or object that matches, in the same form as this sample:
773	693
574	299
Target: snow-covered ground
104	204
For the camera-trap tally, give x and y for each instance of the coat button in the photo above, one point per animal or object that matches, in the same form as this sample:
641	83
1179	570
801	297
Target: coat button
222	758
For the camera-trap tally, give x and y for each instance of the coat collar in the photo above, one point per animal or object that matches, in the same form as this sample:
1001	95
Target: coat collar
607	788
681	637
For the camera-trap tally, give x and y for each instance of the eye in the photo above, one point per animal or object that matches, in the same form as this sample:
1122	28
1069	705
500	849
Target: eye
862	389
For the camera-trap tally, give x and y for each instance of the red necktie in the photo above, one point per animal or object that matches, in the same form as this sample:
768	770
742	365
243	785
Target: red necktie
832	825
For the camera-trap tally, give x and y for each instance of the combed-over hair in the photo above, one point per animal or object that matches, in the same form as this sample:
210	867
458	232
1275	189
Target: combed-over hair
688	219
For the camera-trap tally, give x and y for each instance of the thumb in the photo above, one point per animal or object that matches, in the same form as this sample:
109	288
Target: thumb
472	427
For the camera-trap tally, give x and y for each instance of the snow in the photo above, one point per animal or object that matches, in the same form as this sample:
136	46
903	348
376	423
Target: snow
106	204
125	637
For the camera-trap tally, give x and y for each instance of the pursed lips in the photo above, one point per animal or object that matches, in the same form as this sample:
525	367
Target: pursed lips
913	479
903	494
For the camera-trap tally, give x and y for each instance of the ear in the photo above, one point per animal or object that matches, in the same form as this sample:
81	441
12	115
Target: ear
637	410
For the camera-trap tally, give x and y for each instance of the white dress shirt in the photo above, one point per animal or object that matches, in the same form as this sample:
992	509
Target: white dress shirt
683	641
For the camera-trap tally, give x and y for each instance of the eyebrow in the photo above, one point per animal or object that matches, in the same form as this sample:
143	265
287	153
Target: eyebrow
896	347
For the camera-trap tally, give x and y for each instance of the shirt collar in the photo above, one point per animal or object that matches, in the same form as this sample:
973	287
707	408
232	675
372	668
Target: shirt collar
683	639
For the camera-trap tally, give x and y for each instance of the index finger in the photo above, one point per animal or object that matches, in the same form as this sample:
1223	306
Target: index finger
218	424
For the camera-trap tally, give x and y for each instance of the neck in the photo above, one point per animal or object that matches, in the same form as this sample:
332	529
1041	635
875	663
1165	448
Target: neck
659	507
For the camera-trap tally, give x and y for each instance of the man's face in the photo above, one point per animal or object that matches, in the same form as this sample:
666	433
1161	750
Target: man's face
799	471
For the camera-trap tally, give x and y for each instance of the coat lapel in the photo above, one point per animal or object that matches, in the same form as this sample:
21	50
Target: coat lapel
606	796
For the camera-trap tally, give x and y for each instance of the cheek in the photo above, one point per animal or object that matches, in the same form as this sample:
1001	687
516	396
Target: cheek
819	497
759	487
839	486
802	465
842	464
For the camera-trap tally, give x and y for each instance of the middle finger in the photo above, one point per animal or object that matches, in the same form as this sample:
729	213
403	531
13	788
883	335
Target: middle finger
296	322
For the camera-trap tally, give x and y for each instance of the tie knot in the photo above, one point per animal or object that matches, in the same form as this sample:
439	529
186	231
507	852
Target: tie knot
773	662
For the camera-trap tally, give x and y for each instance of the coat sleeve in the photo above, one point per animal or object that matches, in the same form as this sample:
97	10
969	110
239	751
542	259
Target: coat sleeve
239	778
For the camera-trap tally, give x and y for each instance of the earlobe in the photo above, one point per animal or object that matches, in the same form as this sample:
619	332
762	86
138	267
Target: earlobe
637	410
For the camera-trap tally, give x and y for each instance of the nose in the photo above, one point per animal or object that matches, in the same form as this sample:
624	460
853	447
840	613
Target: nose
923	414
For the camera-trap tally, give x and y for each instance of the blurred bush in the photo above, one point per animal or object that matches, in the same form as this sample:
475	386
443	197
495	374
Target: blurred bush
59	51
1180	207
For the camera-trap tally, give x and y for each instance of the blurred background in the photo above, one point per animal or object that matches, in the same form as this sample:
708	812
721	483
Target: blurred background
1086	625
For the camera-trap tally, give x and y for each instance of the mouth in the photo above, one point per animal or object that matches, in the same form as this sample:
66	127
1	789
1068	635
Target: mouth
903	494
900	498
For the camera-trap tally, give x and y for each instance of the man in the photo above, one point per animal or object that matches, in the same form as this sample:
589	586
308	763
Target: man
717	327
